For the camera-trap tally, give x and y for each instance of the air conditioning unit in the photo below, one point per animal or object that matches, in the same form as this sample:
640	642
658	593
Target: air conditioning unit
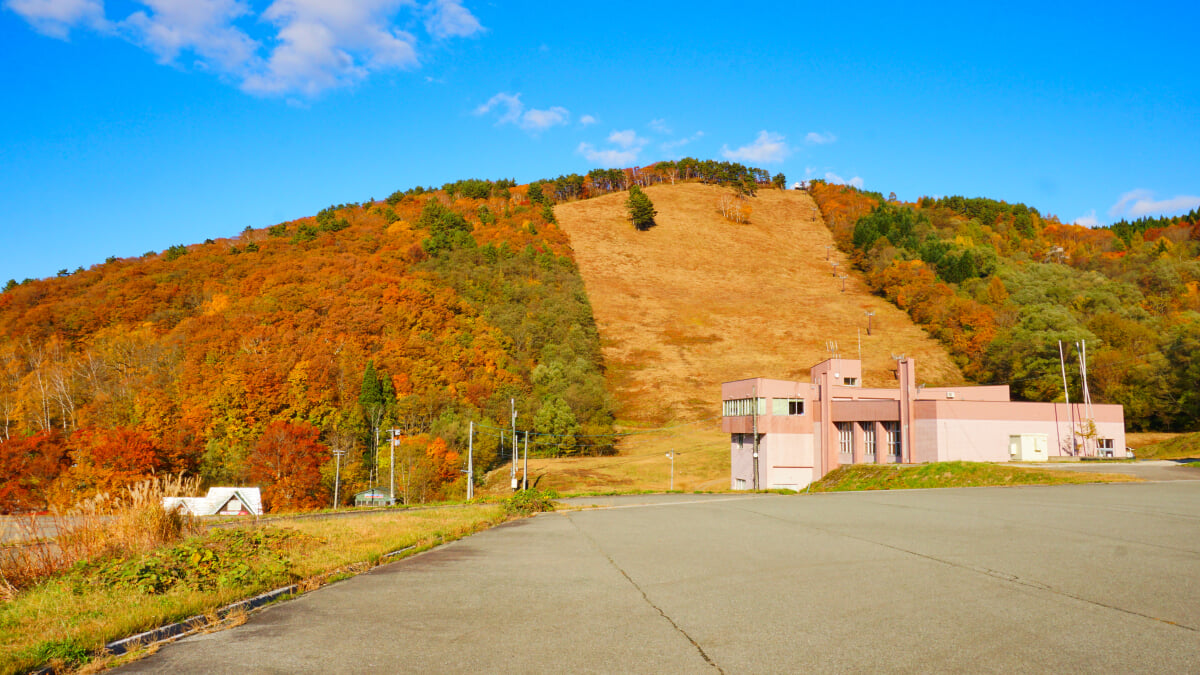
949	394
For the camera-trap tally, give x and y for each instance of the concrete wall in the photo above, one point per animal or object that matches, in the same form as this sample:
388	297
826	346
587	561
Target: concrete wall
978	432
741	464
788	460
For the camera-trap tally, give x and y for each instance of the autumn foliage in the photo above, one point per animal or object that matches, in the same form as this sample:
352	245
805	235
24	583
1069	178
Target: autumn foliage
1000	285
210	358
286	462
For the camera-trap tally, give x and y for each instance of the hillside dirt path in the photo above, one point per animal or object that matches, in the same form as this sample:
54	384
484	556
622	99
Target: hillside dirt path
698	300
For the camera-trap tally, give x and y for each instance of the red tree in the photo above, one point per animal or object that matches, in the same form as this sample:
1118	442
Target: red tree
27	467
286	464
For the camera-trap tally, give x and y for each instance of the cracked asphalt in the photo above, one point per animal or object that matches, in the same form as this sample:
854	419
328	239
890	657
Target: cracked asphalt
1078	577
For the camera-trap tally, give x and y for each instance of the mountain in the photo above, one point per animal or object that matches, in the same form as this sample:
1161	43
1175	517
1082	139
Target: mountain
419	313
1001	285
700	299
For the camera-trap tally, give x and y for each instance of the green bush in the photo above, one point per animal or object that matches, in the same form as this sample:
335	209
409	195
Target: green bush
529	502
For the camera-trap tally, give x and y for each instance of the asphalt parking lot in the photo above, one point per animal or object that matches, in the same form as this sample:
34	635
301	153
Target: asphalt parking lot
1041	579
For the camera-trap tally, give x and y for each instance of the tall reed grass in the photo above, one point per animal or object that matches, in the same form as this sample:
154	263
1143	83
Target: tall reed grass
107	525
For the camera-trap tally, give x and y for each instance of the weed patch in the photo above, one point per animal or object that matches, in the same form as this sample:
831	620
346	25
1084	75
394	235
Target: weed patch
950	474
529	502
227	557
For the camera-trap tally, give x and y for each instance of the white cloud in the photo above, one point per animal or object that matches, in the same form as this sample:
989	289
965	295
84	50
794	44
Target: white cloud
511	103
56	18
311	45
814	138
587	119
626	139
512	111
538	120
680	142
609	158
323	44
767	148
448	18
628	146
1138	203
831	177
202	26
1088	220
660	125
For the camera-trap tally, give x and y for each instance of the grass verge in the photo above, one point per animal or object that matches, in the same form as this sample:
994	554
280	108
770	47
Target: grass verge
950	474
65	620
1182	446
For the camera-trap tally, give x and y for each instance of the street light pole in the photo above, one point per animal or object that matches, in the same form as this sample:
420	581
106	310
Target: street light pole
337	475
869	315
671	454
471	463
512	404
392	469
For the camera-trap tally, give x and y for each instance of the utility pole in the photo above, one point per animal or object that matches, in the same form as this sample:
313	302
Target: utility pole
471	462
512	404
1062	363
1081	349
525	473
392	469
754	402
869	315
337	475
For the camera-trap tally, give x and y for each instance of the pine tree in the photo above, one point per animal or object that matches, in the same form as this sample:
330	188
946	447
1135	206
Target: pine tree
641	209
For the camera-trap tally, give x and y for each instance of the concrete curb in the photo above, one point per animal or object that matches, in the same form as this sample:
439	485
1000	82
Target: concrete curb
194	623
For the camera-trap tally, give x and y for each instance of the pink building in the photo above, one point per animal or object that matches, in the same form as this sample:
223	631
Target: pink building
805	430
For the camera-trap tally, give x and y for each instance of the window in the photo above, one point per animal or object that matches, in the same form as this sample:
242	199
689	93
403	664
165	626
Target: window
1104	443
850	381
787	406
893	437
743	406
846	439
869	441
739	484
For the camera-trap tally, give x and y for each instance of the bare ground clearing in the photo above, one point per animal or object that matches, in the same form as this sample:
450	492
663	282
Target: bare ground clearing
698	300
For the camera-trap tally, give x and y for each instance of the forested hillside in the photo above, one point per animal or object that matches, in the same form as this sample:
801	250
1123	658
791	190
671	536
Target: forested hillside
253	359
1000	285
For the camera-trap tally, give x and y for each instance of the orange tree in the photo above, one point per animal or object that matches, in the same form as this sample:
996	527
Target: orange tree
286	464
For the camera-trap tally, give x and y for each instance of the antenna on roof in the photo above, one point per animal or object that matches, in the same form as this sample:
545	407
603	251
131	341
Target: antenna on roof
832	347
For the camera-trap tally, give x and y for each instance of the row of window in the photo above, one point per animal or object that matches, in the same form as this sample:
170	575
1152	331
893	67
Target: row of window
746	406
846	439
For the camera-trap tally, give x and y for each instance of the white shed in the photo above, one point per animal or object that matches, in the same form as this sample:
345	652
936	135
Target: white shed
220	501
1027	447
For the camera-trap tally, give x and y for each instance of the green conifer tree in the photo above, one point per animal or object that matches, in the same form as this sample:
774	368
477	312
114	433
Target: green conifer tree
641	209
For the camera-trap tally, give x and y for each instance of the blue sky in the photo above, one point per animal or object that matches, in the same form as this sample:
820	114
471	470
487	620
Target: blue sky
132	126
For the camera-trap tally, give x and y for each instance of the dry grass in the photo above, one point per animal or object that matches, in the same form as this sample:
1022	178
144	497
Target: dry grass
702	463
698	300
106	525
1141	439
63	621
951	474
1166	446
